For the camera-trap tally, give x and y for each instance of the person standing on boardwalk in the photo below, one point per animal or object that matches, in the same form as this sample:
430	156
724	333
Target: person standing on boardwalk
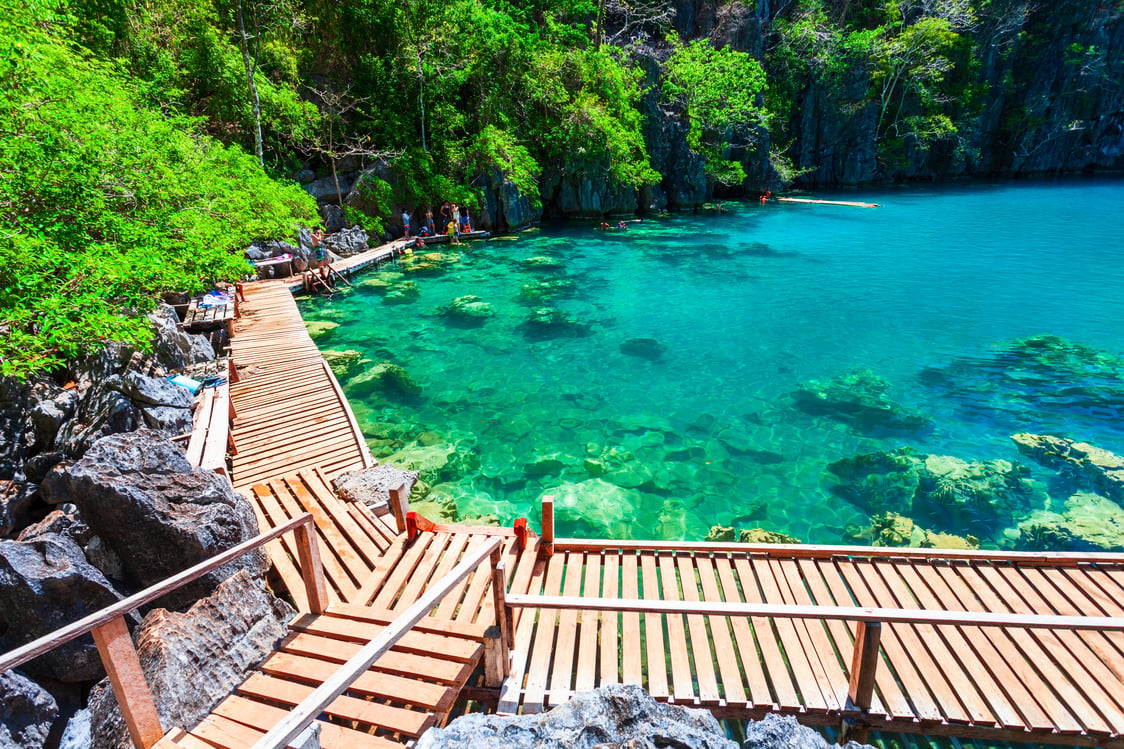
406	222
466	222
430	227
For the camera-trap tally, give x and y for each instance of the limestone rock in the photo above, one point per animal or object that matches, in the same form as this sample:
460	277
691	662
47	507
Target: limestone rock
595	506
333	218
150	391
859	399
47	583
16	502
618	715
347	242
468	308
343	363
1089	465
762	536
783	732
643	348
892	529
385	375
139	494
26	712
174	348
1087	522
320	328
720	534
371	486
192	660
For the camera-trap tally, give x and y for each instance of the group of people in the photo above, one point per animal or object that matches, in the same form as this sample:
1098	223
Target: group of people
454	221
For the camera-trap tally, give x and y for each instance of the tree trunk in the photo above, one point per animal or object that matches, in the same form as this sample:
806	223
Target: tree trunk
250	70
421	97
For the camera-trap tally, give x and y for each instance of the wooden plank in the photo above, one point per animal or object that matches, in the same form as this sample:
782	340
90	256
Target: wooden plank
534	694
958	646
1082	667
311	670
833	588
935	654
422	643
914	684
401	574
341	581
415	584
724	652
476	599
278	555
785	684
586	678
122	666
199	427
700	638
258	717
511	691
820	650
562	672
631	637
214	449
683	688
363	551
373	584
756	574
610	622
743	636
432	667
1068	709
262	688
653	629
434	624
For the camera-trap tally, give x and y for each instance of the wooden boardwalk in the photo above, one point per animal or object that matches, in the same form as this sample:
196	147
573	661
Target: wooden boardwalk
588	613
289	410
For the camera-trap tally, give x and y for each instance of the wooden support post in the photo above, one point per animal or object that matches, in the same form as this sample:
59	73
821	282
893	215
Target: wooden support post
312	569
864	663
231	373
400	506
520	527
499	600
119	656
546	543
496	658
411	526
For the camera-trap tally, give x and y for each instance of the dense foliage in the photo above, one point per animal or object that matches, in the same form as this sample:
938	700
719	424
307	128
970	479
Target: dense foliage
107	204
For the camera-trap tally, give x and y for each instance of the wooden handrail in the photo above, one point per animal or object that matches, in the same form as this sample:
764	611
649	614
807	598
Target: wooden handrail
814	551
847	613
299	718
48	642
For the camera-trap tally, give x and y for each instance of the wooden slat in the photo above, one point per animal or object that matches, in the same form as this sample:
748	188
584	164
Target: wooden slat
778	674
562	671
656	663
610	622
631	651
534	694
700	638
586	677
724	651
743	636
258	717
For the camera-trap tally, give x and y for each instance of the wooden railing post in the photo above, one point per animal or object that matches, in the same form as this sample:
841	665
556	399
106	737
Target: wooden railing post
546	543
312	569
119	656
520	527
411	526
498	637
400	506
864	663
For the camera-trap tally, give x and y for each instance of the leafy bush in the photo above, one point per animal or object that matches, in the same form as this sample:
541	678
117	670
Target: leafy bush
105	204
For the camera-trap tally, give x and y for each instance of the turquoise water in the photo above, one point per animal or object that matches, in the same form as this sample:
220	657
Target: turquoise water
745	307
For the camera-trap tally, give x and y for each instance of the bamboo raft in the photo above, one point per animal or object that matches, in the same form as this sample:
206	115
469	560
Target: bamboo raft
854	204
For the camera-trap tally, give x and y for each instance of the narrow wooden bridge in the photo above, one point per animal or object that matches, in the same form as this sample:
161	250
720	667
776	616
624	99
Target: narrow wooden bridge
402	620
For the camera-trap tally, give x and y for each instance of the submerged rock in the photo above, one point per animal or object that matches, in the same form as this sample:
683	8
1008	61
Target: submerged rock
892	529
386	375
617	715
543	263
192	660
948	493
540	291
598	508
320	328
1084	464
468	308
405	292
724	534
1087	522
343	363
860	400
550	322
643	348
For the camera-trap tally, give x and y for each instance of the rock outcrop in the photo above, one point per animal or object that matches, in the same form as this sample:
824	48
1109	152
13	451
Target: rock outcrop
26	712
1084	522
613	716
139	494
1083	464
371	486
192	660
46	583
859	399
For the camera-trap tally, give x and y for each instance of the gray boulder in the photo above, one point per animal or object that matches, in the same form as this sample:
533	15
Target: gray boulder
347	242
140	495
48	408
333	218
14	400
26	712
618	715
324	189
150	391
174	348
371	486
783	732
46	583
192	660
168	420
16	503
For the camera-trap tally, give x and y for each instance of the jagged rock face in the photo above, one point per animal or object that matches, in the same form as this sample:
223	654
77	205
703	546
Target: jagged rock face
371	486
783	732
585	191
1084	464
505	208
46	583
14	399
193	660
26	712
617	715
139	494
174	348
347	242
333	218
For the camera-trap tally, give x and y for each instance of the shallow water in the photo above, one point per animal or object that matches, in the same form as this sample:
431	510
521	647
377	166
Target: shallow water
928	292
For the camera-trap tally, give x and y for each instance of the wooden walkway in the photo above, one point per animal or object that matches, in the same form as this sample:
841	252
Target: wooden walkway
1014	683
1018	682
289	410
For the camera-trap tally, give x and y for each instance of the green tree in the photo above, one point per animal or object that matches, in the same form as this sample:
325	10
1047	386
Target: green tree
719	90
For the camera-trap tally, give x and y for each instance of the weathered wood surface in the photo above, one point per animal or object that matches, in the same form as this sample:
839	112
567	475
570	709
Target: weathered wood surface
200	317
290	411
1013	682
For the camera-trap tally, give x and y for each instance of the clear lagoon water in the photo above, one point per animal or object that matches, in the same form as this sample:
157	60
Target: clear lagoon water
699	425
